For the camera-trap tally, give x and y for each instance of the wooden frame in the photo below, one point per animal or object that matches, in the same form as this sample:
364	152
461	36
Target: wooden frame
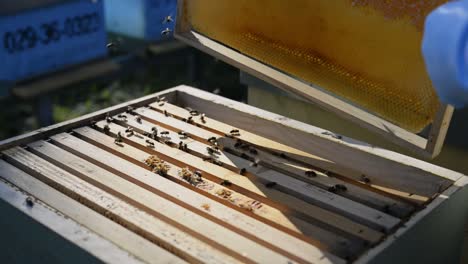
63	160
427	148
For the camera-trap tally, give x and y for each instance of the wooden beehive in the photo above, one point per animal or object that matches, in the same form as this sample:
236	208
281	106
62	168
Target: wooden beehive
185	175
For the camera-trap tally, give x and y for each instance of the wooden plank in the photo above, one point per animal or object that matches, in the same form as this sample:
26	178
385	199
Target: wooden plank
368	215
288	184
376	198
439	130
167	236
115	233
390	131
321	178
42	133
282	217
218	212
209	231
71	231
345	156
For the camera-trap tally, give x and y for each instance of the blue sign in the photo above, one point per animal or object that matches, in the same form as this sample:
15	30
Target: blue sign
47	39
151	20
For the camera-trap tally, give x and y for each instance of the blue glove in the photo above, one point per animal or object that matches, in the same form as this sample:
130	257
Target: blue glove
445	50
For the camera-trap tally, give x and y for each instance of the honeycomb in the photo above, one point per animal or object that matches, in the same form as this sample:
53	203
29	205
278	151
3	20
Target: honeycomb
364	51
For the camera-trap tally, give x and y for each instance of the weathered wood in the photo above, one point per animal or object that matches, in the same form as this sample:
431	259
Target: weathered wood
252	184
439	130
345	156
371	197
67	229
167	236
225	239
254	229
290	185
85	120
282	217
99	224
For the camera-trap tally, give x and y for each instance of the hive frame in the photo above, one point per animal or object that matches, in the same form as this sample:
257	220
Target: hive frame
427	148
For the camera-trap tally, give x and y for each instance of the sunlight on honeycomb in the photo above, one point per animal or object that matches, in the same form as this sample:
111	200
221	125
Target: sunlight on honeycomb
366	51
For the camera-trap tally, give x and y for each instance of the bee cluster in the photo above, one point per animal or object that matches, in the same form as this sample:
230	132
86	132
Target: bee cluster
191	177
158	165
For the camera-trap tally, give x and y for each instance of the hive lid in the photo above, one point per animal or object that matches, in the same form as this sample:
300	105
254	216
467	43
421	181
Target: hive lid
358	59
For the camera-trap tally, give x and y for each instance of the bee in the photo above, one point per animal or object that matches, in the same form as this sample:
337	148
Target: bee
238	144
166	32
130	110
225	183
109	119
29	201
235	132
333	135
161	104
129	132
118	139
106	129
123	117
138	119
311	174
93	123
337	188
183	134
210	150
181	145
198	174
150	143
190	119
186	147
212	140
164	133
253	164
166	113
194	112
242	171
365	179
202	118
154	132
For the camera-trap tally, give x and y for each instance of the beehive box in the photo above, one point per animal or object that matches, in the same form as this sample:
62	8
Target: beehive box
41	37
150	20
185	175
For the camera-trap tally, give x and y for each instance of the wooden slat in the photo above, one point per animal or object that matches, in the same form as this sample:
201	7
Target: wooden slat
332	219
376	199
85	120
95	248
127	240
439	130
220	213
310	192
370	197
346	157
150	227
223	238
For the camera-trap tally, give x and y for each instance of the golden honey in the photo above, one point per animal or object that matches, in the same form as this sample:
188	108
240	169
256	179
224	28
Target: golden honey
365	51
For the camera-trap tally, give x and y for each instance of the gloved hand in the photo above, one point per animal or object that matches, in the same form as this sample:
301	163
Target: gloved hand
445	50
